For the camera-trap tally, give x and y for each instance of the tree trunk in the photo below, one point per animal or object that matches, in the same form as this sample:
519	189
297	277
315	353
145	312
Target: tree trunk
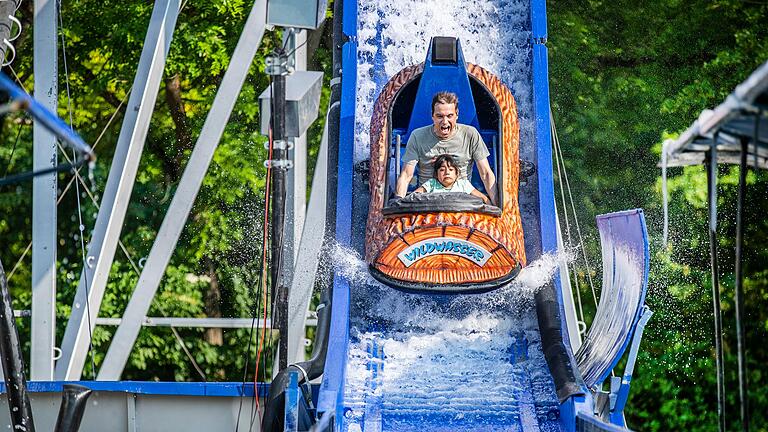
178	113
214	336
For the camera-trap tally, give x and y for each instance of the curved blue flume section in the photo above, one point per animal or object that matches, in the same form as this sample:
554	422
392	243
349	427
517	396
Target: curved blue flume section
626	260
410	362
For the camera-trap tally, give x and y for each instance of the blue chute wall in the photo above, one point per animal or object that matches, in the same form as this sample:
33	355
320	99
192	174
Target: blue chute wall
333	377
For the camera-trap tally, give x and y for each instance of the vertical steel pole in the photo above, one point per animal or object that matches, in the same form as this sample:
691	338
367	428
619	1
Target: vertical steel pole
44	196
296	177
277	218
310	251
711	165
13	363
739	298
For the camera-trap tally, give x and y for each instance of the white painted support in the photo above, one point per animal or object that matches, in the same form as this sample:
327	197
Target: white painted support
308	259
130	400
296	178
189	186
571	318
117	194
44	196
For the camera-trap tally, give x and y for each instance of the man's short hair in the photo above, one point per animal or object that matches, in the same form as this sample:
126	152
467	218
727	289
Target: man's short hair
445	98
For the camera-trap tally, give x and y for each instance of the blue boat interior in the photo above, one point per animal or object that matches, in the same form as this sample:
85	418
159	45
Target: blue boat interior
412	108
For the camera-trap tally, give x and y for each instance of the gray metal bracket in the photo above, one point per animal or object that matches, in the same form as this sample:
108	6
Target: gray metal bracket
308	259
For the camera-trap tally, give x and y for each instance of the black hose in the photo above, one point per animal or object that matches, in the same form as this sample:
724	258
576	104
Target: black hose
550	327
13	363
711	165
739	291
73	404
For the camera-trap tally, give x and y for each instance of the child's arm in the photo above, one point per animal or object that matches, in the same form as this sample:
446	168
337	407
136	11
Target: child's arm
480	195
424	188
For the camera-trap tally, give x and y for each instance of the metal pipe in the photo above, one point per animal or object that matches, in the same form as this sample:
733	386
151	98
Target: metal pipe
743	395
277	216
13	363
73	404
711	165
397	154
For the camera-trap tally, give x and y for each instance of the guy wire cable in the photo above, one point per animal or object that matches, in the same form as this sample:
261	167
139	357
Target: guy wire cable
77	193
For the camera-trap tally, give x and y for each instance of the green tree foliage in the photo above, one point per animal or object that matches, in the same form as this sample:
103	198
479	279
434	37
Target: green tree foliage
623	77
214	269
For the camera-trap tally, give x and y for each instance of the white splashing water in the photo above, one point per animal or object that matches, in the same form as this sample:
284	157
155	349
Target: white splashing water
395	34
469	361
431	362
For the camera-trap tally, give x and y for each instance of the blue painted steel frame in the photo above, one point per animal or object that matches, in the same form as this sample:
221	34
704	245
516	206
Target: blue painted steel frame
546	186
53	123
222	389
331	391
539	20
291	412
617	412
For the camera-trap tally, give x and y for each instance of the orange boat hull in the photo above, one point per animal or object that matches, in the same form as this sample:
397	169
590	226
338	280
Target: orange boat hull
445	249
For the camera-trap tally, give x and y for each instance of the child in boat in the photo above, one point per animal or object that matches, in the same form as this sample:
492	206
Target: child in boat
446	179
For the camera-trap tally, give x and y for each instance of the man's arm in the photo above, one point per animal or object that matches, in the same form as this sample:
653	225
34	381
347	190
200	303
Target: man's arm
405	178
480	195
488	178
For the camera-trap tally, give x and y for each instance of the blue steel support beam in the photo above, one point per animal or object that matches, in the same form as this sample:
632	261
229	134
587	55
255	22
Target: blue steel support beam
331	391
539	20
617	411
46	117
291	413
546	187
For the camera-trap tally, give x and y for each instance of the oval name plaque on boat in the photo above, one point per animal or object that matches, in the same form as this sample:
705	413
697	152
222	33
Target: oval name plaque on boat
444	246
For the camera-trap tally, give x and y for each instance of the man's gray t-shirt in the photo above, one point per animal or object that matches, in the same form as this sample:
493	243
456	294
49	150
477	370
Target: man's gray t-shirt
465	145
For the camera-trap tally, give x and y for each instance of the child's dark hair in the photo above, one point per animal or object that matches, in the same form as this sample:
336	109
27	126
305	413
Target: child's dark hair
444	159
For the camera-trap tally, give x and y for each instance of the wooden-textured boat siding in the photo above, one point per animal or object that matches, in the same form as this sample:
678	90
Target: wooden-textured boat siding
502	236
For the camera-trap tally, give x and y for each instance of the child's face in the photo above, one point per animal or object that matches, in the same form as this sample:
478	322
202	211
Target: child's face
447	175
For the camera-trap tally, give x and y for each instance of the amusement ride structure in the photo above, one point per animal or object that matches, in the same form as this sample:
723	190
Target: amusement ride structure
441	313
